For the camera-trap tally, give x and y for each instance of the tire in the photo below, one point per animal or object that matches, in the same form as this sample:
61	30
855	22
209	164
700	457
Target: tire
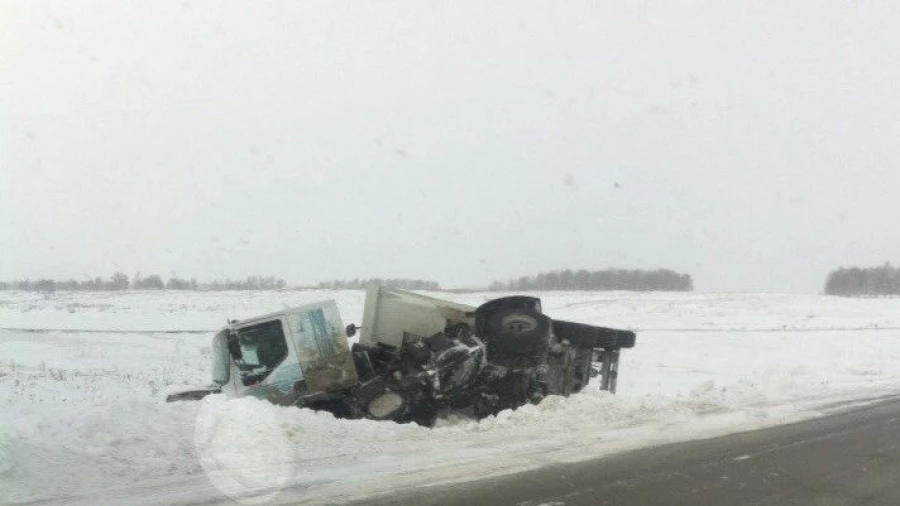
588	336
517	339
520	332
485	311
388	405
626	339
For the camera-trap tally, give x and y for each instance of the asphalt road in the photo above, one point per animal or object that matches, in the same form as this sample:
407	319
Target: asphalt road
851	458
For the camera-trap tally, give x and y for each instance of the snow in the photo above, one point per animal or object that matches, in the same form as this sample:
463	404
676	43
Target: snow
83	419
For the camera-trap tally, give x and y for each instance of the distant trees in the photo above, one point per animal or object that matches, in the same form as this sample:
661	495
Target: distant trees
120	281
402	283
842	281
882	280
609	279
152	282
250	283
175	283
44	285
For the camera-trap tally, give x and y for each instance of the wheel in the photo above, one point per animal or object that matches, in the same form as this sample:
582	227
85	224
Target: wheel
517	338
390	405
626	339
588	336
492	307
520	332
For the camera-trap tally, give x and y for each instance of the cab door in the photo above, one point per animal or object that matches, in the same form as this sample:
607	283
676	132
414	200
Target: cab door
322	349
264	362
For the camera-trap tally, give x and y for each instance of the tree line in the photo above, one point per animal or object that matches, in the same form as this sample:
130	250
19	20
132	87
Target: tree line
608	279
881	280
402	283
848	281
121	281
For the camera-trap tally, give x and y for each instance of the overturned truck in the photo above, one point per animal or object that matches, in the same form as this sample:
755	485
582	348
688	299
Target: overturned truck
416	355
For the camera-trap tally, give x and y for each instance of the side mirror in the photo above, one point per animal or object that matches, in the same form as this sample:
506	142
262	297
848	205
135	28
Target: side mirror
351	329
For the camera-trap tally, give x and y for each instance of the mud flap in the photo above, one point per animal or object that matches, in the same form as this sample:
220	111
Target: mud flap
609	369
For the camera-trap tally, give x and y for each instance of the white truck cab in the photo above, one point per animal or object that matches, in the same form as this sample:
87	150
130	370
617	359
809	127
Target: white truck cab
286	355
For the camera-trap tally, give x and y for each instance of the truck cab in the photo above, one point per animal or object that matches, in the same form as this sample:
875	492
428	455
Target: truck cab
286	356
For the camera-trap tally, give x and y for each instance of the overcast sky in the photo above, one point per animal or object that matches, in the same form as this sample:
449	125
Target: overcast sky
754	145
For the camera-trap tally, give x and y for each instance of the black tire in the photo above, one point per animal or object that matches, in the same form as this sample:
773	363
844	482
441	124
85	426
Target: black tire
626	339
519	331
485	311
517	339
588	336
390	404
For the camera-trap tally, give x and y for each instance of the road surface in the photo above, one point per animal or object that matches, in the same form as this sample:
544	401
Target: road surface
852	458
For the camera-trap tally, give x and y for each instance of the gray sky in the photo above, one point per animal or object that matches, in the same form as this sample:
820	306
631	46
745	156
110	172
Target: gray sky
751	144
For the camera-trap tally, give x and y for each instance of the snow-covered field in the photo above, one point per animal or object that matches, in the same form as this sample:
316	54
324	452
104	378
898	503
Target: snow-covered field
82	417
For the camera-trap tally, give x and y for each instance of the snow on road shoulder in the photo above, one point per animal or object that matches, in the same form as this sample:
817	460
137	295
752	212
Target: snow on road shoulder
83	420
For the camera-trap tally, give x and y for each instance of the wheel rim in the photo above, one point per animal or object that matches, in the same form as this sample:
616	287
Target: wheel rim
518	324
